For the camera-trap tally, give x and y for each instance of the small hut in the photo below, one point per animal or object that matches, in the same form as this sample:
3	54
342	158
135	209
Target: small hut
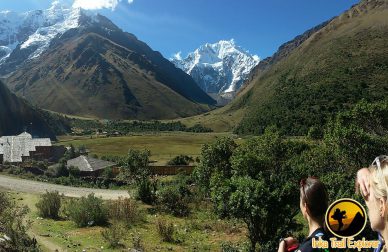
89	166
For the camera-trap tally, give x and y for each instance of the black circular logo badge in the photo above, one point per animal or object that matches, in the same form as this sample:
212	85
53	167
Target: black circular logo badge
346	218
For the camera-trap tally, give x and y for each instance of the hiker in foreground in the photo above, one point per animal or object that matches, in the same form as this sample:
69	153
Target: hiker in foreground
313	205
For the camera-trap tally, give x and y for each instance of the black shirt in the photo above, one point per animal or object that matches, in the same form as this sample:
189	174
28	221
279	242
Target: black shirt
306	245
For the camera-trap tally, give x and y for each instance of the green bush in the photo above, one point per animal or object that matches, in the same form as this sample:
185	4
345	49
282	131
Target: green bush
181	160
87	211
166	230
57	171
74	171
174	199
49	205
146	191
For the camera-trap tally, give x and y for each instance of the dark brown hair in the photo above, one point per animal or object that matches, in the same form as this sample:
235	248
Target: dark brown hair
313	193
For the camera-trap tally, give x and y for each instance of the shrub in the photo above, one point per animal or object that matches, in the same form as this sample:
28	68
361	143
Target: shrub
181	160
174	198
146	191
56	171
114	235
125	211
172	201
74	171
49	205
108	173
87	211
166	230
13	225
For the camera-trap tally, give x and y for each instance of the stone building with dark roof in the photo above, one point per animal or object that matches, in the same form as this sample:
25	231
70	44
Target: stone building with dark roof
89	166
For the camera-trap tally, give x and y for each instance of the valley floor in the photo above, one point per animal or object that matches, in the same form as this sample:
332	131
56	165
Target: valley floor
163	145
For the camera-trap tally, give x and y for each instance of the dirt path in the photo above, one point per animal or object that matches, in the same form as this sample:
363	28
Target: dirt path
46	244
29	186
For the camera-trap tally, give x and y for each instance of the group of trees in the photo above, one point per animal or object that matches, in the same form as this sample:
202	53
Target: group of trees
257	181
89	127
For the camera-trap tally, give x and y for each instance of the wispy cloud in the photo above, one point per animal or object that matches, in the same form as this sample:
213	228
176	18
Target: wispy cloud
97	4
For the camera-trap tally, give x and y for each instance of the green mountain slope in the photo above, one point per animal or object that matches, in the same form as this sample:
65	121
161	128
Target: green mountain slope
335	67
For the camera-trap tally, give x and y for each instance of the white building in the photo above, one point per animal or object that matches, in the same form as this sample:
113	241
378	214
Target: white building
16	149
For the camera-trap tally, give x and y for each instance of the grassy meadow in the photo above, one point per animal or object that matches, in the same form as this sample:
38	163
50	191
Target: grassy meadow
163	145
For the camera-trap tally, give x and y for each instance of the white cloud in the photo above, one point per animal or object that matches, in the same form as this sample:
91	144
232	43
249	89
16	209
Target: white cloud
97	4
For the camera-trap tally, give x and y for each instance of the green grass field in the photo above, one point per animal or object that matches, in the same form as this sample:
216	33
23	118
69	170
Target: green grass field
163	146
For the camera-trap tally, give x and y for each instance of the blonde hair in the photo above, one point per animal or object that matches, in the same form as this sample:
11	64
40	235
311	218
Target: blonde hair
379	177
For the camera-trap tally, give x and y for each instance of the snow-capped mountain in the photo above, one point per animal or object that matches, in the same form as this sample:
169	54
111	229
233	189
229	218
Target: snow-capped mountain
219	68
30	33
79	62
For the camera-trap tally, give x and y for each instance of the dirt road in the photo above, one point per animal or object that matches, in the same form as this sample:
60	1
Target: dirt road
29	186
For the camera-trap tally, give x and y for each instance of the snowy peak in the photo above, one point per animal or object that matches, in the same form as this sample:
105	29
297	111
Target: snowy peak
33	31
219	68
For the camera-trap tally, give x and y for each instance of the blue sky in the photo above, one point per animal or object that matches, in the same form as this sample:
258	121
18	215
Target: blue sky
170	26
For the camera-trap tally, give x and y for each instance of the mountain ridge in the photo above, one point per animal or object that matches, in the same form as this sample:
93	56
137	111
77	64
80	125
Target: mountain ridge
332	67
98	70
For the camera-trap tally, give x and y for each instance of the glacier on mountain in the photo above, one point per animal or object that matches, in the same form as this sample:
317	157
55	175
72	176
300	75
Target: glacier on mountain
219	68
34	30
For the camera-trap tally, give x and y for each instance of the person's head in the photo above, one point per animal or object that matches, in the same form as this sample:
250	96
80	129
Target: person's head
376	202
313	199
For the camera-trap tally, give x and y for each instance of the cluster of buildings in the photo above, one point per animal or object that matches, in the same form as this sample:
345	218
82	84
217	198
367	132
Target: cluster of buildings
23	147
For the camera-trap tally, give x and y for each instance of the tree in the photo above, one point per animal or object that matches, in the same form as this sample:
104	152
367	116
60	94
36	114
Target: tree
215	157
261	189
358	135
136	165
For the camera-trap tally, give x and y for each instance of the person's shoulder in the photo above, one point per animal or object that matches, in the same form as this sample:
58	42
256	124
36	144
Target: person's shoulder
307	246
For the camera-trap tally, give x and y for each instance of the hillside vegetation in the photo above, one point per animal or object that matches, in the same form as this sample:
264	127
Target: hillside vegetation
336	67
327	69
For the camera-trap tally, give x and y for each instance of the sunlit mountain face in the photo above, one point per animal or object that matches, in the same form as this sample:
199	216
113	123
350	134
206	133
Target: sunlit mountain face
74	61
